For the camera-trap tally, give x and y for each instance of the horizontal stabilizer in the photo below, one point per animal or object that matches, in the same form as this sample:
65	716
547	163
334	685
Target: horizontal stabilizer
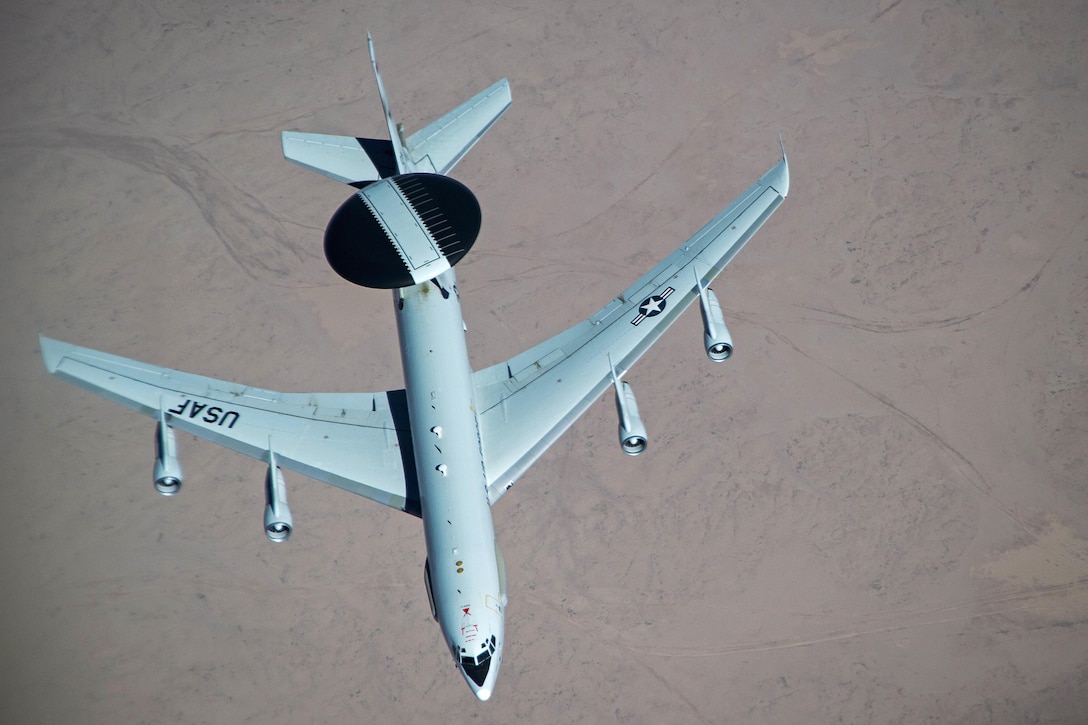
433	150
438	147
346	159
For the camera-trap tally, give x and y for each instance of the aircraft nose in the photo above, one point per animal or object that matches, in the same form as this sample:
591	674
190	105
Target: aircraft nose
479	677
485	686
482	672
476	672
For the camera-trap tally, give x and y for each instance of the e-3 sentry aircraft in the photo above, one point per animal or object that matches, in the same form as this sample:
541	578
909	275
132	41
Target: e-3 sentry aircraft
449	444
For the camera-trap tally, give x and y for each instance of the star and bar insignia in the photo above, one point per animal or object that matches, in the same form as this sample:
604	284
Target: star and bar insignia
652	306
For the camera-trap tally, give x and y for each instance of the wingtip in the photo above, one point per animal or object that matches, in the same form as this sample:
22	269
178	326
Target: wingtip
52	352
778	178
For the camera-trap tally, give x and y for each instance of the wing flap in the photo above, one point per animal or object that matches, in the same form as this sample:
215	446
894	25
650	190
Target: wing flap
360	442
527	402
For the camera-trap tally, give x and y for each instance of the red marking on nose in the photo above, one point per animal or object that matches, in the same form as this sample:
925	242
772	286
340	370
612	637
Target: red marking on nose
465	610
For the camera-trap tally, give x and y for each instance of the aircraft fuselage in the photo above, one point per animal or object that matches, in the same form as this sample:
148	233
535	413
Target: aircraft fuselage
466	586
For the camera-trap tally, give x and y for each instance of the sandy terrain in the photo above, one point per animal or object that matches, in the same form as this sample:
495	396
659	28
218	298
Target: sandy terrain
876	512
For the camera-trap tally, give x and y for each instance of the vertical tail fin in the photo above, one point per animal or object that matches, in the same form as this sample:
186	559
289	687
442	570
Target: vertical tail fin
395	134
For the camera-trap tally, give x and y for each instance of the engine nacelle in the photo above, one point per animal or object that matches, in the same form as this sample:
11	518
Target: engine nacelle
716	337
632	431
277	514
168	476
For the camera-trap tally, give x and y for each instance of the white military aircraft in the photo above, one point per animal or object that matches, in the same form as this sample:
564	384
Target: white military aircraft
449	444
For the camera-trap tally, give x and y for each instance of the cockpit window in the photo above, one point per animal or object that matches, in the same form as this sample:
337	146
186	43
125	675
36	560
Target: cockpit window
477	668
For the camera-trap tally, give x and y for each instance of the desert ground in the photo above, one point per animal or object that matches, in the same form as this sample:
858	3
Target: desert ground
876	512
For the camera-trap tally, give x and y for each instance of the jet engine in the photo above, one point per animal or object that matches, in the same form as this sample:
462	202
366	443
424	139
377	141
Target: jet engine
167	469
716	337
277	514
632	431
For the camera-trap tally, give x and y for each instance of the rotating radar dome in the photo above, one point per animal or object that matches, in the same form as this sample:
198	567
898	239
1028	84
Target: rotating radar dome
402	230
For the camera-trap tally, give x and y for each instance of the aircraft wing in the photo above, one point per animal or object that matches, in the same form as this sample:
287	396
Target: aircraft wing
438	147
527	402
360	442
